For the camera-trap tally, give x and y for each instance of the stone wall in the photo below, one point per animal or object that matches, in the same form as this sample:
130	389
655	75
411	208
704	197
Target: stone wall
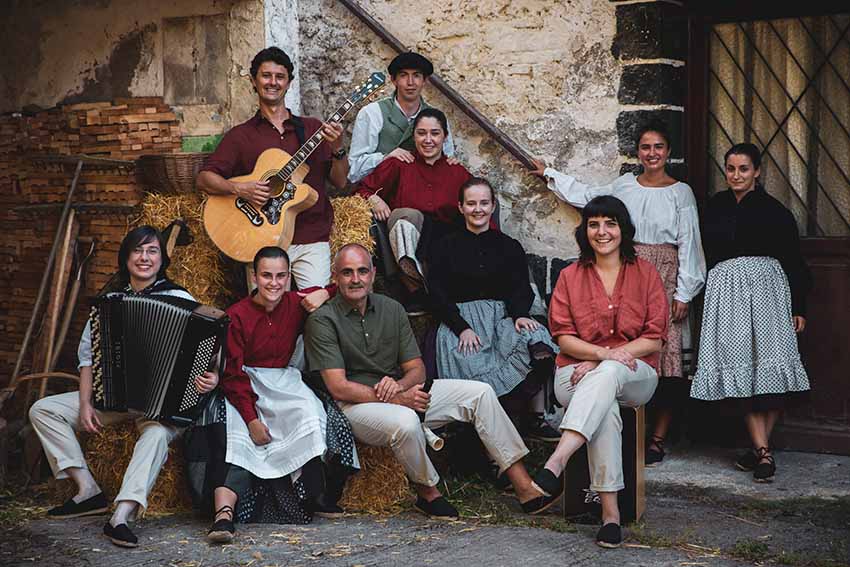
195	52
542	70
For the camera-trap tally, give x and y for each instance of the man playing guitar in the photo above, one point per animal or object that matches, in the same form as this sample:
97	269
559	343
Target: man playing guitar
274	126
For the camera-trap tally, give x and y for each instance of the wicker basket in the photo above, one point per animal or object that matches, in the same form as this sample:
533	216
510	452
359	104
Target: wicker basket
170	173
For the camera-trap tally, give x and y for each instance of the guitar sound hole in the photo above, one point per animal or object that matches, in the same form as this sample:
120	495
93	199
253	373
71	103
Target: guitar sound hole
277	185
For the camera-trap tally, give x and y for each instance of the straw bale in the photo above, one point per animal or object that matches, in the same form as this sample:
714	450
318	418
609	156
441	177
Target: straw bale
199	266
352	219
380	487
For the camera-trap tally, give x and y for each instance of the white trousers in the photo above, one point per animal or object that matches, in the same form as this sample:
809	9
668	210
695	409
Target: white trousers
592	410
399	428
56	420
310	264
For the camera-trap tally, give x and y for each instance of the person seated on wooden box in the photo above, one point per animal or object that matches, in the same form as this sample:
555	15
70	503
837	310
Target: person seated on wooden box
362	345
142	262
270	434
481	295
609	316
418	200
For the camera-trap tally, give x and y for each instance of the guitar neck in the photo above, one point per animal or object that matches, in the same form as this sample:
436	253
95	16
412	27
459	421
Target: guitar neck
310	145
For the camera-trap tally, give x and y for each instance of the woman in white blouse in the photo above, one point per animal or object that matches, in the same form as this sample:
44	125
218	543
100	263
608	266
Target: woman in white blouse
665	215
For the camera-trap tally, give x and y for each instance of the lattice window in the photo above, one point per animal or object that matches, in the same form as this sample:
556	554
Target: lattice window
784	85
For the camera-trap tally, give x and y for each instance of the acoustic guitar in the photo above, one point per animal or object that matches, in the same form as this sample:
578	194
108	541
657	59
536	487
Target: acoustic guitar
240	229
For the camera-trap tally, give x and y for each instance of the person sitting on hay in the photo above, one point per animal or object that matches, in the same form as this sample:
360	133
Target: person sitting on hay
142	262
362	345
271	432
418	201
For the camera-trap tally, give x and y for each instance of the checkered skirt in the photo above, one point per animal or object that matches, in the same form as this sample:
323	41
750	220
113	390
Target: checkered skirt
747	346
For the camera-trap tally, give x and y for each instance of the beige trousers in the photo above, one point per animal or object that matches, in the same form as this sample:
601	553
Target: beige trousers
310	264
56	421
451	400
592	409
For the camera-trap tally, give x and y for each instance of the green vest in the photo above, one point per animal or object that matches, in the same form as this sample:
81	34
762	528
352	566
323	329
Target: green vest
397	131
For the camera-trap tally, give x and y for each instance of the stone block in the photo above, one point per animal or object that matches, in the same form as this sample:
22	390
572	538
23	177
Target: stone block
656	83
651	30
629	122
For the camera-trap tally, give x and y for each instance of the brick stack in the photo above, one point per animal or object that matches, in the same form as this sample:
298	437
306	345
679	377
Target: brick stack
123	129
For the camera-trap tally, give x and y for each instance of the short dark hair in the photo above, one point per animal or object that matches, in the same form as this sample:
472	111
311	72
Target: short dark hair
472	182
270	252
135	238
749	150
612	208
275	55
410	60
653	125
433	113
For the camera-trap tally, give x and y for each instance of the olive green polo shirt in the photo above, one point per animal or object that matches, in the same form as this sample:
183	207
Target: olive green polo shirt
368	346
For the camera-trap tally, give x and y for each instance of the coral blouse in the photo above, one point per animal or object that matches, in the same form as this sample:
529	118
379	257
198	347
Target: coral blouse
638	308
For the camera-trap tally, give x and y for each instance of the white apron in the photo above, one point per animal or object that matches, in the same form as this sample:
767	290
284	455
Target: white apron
296	420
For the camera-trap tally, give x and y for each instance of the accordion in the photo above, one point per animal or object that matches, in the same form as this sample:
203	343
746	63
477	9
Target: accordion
147	350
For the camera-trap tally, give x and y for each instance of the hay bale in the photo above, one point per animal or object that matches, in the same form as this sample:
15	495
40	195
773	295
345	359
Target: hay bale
380	487
352	220
199	266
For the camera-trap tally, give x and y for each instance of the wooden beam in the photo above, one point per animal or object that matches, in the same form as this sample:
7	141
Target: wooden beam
450	93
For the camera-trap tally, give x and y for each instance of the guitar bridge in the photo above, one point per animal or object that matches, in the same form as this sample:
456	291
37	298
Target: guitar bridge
249	211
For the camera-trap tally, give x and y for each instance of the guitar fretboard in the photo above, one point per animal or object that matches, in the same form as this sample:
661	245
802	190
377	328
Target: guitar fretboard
310	145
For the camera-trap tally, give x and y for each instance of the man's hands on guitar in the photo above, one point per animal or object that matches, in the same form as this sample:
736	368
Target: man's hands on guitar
332	132
255	192
259	432
414	398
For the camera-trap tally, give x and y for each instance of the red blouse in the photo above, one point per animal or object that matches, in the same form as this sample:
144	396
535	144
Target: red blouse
431	189
259	339
637	308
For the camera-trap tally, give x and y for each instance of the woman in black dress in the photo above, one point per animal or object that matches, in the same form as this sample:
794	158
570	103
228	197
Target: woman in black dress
481	294
755	302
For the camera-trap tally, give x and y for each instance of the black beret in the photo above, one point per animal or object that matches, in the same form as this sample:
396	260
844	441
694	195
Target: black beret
410	60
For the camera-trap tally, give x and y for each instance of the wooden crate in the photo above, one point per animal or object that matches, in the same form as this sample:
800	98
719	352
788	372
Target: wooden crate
580	503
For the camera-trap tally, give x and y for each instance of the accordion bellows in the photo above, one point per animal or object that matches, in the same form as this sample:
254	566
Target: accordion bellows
147	350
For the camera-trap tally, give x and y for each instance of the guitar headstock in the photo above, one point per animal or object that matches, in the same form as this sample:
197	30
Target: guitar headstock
373	86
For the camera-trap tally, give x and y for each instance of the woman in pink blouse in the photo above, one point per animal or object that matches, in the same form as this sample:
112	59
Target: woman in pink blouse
608	315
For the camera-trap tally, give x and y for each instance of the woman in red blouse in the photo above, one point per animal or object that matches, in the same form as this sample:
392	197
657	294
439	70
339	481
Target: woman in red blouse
417	199
608	315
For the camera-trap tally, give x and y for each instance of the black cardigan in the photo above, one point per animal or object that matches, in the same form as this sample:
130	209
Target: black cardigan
466	266
757	226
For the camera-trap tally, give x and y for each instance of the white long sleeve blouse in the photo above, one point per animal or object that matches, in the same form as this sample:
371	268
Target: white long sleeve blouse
661	215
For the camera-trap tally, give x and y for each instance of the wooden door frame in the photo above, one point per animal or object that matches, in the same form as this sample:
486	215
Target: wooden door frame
831	256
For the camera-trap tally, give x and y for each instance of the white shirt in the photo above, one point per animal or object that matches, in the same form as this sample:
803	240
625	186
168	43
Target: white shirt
84	349
362	157
661	215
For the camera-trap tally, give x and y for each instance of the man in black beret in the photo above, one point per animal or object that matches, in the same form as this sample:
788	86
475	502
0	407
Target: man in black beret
384	129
